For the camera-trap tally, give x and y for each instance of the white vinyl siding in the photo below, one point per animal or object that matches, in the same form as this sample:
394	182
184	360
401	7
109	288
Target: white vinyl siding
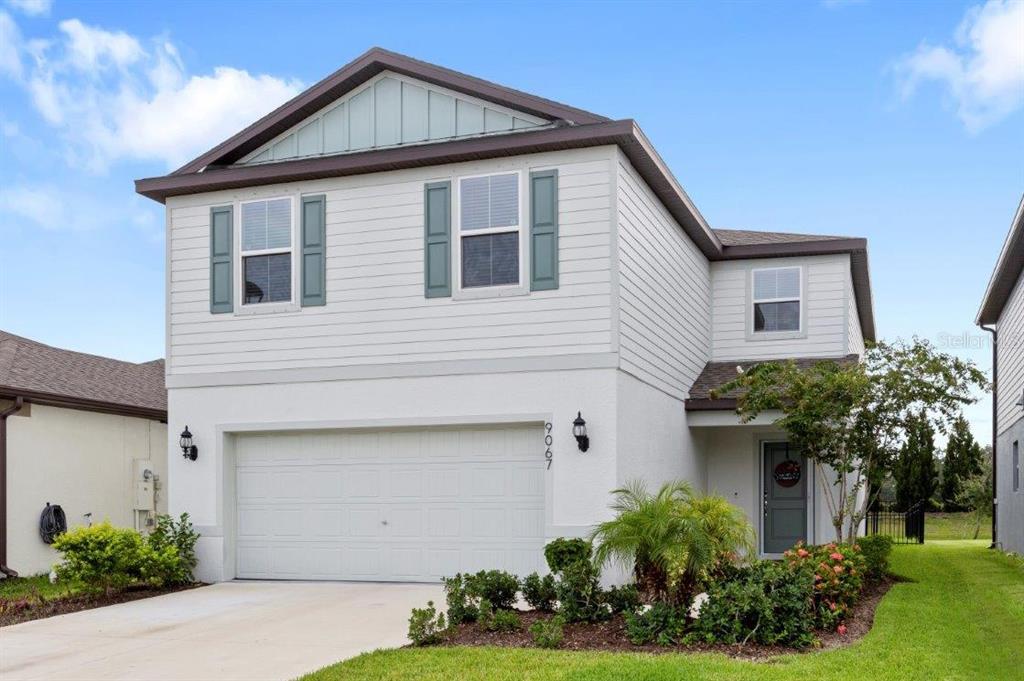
825	310
855	335
376	313
664	298
1011	359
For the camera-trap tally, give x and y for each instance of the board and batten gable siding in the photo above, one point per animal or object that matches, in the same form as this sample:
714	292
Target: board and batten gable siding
826	292
376	312
1010	356
663	291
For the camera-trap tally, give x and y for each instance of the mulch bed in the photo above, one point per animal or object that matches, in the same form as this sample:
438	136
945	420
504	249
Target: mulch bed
27	609
611	635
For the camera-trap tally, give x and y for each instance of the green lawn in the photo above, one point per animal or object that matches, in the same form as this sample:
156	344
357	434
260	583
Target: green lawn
955	526
37	586
961	618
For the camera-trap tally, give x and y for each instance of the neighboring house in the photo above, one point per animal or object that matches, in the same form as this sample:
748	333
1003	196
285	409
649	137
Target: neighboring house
390	298
79	431
1002	310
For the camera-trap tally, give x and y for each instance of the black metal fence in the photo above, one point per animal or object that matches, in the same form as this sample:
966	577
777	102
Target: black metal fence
905	527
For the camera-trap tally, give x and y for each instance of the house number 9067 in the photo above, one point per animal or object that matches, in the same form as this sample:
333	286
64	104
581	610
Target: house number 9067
548	440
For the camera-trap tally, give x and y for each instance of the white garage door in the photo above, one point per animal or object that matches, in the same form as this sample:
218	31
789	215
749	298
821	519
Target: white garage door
395	505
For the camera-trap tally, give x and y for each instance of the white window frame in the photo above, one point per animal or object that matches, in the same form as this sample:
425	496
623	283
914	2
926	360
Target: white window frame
240	256
752	301
518	289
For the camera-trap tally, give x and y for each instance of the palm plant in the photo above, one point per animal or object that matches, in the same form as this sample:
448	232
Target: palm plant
672	539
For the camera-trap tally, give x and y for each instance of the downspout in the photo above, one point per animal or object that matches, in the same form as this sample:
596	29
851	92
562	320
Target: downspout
995	431
13	409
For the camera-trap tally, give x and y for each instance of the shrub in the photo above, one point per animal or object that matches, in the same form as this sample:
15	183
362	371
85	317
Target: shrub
180	536
426	625
623	598
673	539
105	558
498	620
500	588
579	593
661	623
765	602
838	574
539	592
548	633
563	552
876	550
462	607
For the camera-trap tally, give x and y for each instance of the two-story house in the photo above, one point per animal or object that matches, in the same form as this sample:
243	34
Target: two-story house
1002	313
419	323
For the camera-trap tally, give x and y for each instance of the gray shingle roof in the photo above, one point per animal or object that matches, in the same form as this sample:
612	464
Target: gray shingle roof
27	366
717	374
746	237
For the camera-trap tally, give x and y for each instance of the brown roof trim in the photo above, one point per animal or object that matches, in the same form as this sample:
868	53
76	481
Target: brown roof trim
721	404
1006	272
52	400
357	72
624	133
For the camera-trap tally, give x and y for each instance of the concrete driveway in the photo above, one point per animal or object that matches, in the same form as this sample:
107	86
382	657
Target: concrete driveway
235	630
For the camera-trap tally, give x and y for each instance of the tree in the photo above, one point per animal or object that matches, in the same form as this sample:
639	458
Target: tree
976	493
671	539
853	419
963	461
914	472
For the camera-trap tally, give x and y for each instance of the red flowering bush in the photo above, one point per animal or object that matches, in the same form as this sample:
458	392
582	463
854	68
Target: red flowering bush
838	574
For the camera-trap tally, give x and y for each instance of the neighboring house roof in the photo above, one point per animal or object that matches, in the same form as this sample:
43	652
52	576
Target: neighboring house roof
717	374
1006	273
572	129
47	375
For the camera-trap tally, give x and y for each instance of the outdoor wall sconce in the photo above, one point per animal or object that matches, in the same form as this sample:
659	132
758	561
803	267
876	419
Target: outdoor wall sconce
579	431
188	450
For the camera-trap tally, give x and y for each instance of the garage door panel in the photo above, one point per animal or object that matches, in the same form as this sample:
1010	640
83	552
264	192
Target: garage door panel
408	505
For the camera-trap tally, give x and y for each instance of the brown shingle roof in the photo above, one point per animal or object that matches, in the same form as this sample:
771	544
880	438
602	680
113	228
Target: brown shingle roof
43	373
717	374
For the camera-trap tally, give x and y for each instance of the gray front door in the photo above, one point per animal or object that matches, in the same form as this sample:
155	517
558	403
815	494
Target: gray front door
785	497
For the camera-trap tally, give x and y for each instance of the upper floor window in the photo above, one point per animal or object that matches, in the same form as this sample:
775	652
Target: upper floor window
266	251
489	225
776	299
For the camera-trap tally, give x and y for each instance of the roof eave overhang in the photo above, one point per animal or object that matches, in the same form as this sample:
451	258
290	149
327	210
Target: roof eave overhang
71	402
624	133
721	404
1005	274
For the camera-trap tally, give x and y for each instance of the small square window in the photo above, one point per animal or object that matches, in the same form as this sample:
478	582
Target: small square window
776	299
268	278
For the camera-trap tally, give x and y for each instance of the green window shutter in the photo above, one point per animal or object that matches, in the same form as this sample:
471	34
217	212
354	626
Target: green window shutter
437	247
544	230
314	250
221	230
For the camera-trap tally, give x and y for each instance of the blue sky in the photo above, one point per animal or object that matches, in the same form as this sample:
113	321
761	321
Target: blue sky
899	122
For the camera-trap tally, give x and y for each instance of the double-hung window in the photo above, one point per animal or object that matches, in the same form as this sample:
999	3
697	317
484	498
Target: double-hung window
489	227
776	299
266	251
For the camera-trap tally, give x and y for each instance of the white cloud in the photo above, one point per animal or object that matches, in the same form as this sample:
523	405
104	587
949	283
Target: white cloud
32	7
47	207
984	72
115	97
10	47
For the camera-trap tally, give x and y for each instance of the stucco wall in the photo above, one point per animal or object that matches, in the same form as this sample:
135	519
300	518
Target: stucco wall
577	483
1010	509
81	460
